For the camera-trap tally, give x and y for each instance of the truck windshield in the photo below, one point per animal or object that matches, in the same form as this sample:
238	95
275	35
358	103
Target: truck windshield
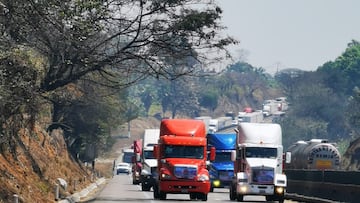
148	155
127	156
261	152
176	151
222	157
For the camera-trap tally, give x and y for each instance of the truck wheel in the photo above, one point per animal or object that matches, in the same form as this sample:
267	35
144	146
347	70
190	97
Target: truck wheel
144	187
193	196
240	198
156	192
162	196
135	182
232	193
203	196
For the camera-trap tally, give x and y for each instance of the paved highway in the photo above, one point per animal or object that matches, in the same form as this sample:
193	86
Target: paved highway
121	189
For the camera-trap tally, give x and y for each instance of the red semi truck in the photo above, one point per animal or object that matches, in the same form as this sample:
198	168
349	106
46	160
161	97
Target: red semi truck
181	155
136	162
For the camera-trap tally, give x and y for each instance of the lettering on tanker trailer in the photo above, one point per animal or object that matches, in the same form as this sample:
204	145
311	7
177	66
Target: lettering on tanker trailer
314	154
258	162
181	155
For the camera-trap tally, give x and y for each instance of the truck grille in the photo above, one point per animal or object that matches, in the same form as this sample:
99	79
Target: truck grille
225	175
263	176
185	172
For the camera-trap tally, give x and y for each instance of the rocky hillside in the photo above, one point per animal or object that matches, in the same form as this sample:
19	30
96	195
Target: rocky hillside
31	172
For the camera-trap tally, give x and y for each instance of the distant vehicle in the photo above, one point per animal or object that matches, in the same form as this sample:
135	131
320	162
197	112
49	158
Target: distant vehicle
250	116
148	161
136	161
219	124
123	167
314	154
282	104
270	107
206	120
127	155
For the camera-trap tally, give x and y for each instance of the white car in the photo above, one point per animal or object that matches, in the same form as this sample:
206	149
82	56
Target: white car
123	168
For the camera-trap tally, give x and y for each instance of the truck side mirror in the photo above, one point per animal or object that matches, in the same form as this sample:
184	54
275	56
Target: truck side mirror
212	153
233	155
155	152
288	157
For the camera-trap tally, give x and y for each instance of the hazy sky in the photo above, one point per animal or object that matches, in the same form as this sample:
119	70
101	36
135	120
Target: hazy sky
282	34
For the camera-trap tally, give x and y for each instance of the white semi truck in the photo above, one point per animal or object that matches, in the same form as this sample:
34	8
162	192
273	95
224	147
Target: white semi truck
258	162
251	117
219	123
148	161
270	107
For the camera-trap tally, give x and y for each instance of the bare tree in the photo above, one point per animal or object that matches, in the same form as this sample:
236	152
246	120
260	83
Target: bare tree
123	41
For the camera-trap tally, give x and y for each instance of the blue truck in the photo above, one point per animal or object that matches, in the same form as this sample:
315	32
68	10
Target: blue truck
221	170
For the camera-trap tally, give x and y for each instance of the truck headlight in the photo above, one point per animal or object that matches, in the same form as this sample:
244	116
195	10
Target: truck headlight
216	183
279	190
165	176
243	189
203	177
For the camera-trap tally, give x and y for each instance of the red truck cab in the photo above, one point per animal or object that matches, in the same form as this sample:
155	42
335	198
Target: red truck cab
136	162
181	155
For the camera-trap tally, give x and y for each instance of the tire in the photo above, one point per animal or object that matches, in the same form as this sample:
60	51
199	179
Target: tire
193	196
145	188
240	198
232	193
204	197
156	192
162	196
211	189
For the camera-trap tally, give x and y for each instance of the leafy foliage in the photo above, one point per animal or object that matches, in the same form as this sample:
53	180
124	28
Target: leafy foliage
19	99
123	41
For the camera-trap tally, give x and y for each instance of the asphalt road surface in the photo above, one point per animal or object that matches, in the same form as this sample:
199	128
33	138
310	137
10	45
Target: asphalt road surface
121	189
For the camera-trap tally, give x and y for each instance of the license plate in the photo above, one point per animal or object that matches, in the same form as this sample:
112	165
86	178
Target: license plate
262	191
184	190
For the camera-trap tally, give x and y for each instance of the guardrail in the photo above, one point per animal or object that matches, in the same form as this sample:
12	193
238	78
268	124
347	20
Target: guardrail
340	186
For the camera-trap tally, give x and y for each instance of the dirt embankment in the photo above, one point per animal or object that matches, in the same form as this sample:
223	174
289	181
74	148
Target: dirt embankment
31	171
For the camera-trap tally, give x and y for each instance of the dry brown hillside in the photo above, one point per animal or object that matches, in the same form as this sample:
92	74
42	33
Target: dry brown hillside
32	171
41	158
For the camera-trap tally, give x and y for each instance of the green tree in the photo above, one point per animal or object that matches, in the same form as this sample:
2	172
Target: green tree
178	96
209	99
